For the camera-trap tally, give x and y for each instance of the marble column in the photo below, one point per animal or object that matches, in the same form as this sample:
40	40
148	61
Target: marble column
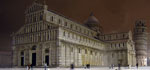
68	55
15	58
39	56
26	56
75	54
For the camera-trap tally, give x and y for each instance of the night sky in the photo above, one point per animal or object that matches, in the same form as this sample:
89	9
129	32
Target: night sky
114	15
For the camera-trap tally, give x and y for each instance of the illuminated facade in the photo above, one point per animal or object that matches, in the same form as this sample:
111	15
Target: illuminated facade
48	37
140	38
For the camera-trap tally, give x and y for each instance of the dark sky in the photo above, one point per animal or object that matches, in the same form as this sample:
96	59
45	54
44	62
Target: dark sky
114	15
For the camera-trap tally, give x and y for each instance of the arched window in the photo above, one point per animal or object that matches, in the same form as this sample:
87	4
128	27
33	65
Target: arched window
116	36
64	33
91	52
79	50
142	24
47	50
65	23
22	53
59	20
119	44
52	18
143	30
34	47
123	35
34	18
104	37
85	51
110	37
48	27
115	45
123	44
41	17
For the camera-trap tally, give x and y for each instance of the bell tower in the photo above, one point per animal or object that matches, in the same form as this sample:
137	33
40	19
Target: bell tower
140	38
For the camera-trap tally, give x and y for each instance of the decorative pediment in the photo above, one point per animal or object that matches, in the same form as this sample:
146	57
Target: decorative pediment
33	28
20	31
34	7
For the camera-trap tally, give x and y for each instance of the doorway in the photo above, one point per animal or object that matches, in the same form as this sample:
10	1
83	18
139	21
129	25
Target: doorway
33	59
47	60
22	61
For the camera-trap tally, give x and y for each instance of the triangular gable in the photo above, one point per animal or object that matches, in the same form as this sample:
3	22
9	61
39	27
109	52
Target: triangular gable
20	31
34	7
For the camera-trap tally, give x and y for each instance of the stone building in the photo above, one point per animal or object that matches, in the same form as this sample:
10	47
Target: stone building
120	48
148	49
140	38
51	38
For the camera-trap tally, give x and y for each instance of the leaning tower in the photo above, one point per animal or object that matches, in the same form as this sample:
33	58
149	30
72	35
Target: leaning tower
140	38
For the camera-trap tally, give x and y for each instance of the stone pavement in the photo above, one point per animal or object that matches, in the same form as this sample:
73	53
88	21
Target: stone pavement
93	68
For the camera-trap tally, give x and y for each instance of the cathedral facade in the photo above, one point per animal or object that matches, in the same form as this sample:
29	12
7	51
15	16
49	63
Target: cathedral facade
51	38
